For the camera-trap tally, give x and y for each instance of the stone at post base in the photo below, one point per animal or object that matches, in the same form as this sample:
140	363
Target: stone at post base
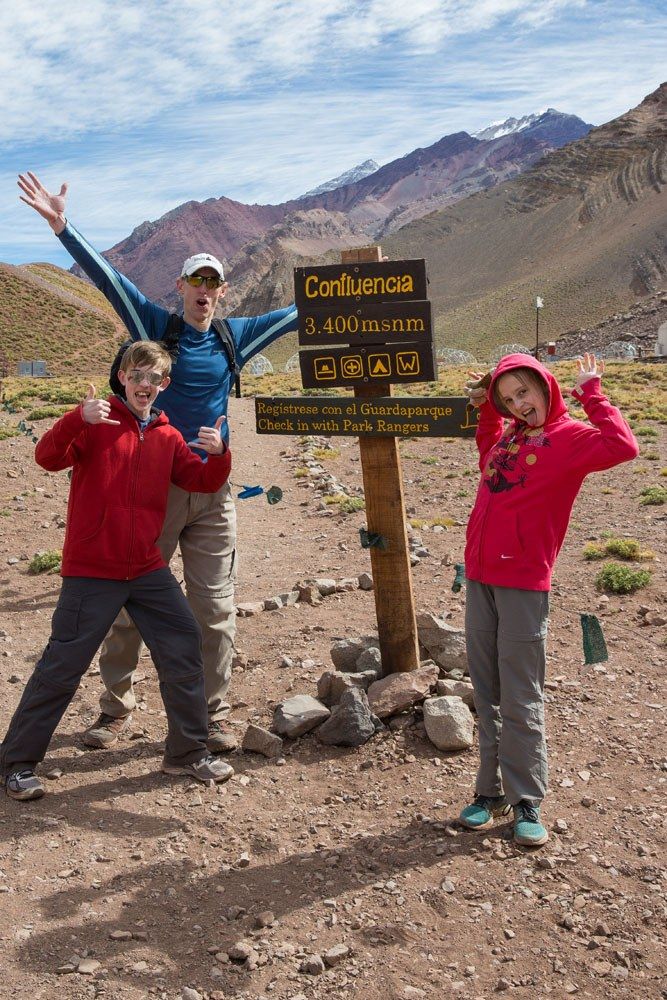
351	722
449	723
299	715
346	652
370	659
397	692
334	683
457	689
444	643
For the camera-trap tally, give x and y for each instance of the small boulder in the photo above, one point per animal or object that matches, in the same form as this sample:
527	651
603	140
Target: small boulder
337	954
444	643
346	652
398	692
370	659
299	715
449	723
457	689
259	740
333	683
351	723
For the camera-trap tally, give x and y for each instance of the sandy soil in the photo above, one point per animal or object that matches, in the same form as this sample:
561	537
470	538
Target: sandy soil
123	883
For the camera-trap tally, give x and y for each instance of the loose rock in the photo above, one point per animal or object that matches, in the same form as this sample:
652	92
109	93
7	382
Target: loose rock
259	740
449	723
397	692
299	715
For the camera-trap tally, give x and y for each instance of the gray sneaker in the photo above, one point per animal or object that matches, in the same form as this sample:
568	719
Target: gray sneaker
23	784
207	769
105	730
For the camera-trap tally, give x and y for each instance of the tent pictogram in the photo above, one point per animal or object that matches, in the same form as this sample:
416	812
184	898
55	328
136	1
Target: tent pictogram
379	365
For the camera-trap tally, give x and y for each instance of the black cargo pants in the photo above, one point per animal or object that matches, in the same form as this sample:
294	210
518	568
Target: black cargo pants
85	611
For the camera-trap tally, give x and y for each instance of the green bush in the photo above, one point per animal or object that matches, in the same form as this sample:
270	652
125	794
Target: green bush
653	496
44	412
45	562
622	548
351	504
619	579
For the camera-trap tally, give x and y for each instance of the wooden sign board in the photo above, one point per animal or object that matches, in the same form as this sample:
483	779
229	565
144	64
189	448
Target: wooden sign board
347	284
374	416
375	323
358	365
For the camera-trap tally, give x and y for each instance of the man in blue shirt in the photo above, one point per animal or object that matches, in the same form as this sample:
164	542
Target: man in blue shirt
202	525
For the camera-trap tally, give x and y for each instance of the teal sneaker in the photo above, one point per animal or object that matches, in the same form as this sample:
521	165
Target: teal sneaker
528	831
483	811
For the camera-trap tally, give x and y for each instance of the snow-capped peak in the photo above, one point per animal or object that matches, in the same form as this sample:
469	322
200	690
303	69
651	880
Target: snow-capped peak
497	129
349	177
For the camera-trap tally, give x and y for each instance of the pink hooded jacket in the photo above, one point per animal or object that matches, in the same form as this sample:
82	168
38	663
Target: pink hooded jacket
531	477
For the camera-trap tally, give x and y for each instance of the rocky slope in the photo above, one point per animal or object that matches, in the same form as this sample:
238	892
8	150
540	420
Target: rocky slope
407	188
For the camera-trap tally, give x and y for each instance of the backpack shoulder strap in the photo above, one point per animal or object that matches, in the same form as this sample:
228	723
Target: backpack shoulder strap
227	340
173	330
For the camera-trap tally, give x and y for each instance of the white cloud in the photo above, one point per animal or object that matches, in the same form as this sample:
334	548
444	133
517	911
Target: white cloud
91	66
143	107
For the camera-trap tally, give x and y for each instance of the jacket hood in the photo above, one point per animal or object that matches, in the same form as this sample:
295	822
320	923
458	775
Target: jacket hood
556	406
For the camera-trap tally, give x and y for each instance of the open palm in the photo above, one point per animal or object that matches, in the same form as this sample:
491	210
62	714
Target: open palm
50	206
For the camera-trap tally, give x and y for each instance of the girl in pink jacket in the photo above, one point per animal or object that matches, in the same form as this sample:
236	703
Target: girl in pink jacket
532	470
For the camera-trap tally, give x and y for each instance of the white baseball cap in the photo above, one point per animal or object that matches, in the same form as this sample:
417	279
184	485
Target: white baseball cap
200	260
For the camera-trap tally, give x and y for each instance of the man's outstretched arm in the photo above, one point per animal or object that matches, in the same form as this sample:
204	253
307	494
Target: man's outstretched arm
144	319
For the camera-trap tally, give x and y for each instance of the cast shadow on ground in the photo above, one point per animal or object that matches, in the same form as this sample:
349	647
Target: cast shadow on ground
156	896
27	604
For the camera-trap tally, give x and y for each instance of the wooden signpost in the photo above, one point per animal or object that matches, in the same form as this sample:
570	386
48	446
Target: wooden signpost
378	309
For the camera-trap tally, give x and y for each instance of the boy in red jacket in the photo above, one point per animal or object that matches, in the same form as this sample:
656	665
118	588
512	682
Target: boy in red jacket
123	455
531	471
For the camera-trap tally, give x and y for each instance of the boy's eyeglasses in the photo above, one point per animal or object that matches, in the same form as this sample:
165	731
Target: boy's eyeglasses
136	376
197	280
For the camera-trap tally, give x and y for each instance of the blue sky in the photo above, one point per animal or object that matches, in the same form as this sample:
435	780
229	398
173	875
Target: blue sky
141	107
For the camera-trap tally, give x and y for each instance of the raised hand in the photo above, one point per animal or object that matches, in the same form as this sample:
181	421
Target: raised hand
476	387
209	440
50	206
588	367
96	411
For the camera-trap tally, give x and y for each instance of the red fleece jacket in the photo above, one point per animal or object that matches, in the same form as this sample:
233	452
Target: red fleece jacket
531	477
120	483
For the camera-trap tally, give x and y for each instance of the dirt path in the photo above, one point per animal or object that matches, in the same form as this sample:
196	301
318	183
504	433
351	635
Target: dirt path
124	884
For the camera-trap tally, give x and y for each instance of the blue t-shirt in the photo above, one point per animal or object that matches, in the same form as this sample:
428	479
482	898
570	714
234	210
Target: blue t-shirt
201	379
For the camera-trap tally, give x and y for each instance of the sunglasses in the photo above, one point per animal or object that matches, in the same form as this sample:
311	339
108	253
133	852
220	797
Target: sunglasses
136	376
197	280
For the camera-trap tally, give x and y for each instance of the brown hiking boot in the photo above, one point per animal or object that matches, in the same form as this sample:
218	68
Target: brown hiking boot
220	738
105	731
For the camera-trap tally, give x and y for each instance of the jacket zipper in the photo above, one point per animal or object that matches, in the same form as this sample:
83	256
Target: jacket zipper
135	480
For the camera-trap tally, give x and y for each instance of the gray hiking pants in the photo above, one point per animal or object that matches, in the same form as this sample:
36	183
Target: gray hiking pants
506	632
204	526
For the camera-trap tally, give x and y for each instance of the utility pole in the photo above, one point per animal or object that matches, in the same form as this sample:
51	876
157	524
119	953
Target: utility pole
539	304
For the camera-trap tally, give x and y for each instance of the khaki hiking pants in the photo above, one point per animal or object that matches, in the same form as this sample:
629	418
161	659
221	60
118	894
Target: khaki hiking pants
204	526
506	635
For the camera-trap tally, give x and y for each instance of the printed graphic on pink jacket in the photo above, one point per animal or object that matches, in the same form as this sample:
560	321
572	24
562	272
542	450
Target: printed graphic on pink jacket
530	477
510	465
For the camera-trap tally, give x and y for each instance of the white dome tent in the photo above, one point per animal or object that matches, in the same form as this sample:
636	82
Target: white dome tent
259	365
451	356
